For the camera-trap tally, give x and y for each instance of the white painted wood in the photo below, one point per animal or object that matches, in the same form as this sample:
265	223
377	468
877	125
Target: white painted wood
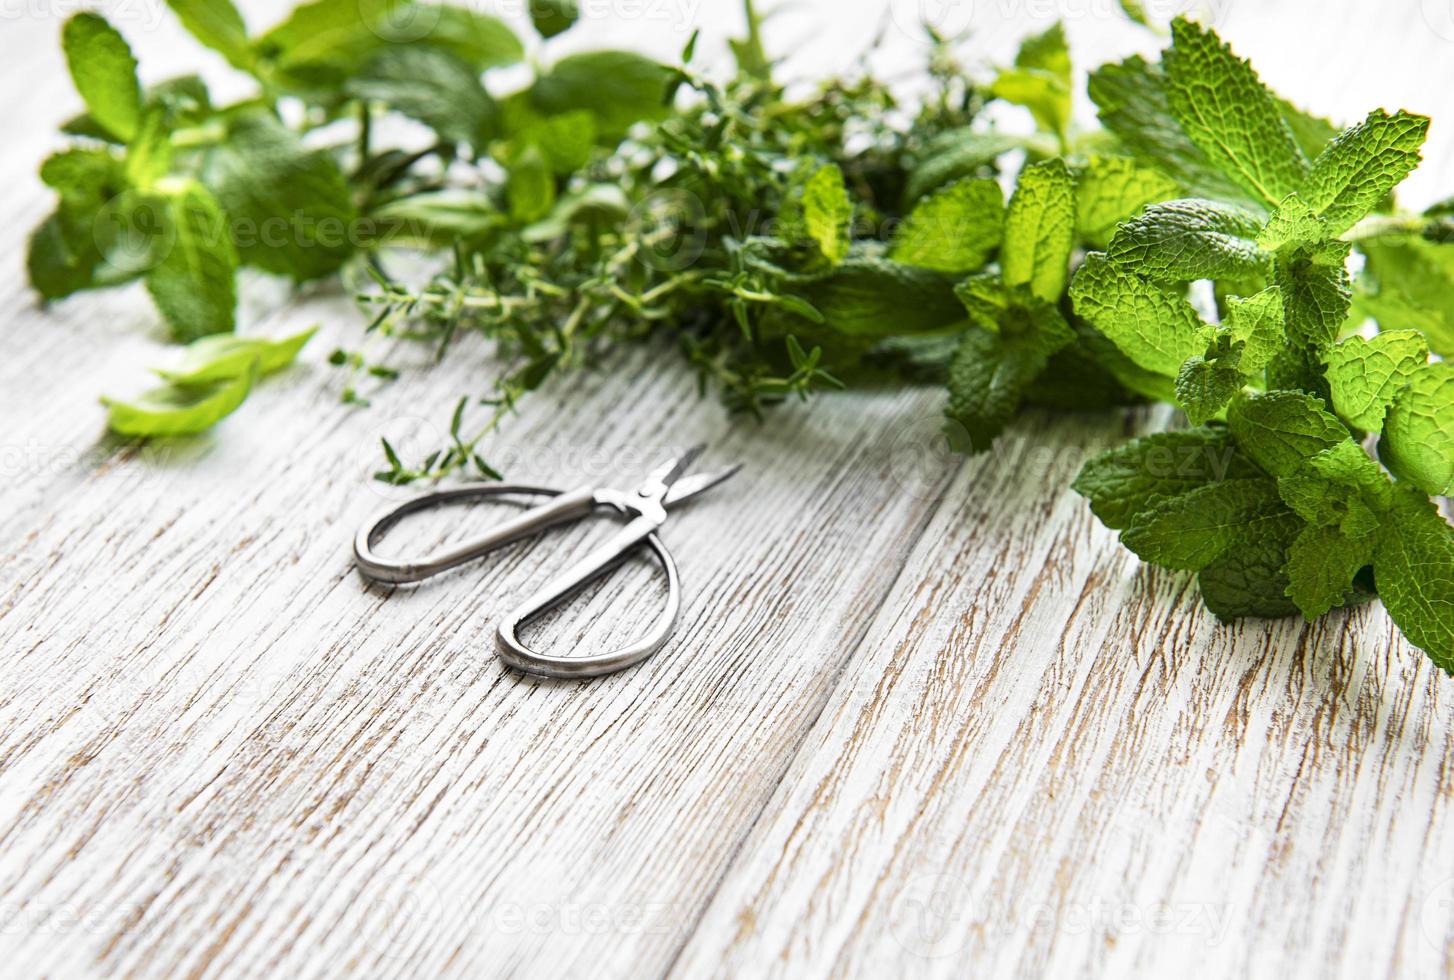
916	708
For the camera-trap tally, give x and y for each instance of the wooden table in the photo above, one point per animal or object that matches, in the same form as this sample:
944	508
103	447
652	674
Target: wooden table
924	715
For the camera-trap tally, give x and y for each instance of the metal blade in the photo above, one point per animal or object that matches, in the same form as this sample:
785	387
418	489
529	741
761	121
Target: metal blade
659	481
688	487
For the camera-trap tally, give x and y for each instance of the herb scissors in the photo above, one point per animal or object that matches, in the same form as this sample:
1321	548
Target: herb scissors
645	508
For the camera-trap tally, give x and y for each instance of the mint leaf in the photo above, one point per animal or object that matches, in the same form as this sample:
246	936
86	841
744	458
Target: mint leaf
619	88
289	208
1418	434
1321	565
1293	223
531	189
954	229
828	213
1133	104
1194	529
1279	430
1414	568
1126	480
1040	229
1155	327
998	358
1251	579
870	297
552	17
219	26
62	255
1256	322
1207	382
1363	165
433	86
193	283
956	154
1180	241
479	40
1338	487
1228	113
177	410
1364	374
1040	80
223	356
104	70
1111	189
1316	292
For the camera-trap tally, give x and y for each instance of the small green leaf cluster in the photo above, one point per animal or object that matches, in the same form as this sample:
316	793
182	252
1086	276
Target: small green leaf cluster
1209	245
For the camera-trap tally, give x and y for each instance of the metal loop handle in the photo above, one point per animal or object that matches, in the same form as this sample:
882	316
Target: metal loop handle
566	506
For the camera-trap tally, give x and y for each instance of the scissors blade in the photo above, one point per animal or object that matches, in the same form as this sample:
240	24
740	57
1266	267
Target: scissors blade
688	487
660	480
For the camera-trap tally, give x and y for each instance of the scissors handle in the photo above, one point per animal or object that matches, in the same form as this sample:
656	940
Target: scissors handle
564	507
599	561
569	506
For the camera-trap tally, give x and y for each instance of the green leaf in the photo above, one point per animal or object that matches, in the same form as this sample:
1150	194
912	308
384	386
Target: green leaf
1364	374
1154	326
1316	293
1185	240
531	189
1040	230
552	17
1321	565
1133	104
828	213
440	218
994	365
1338	487
1228	113
1418	434
223	356
177	410
150	155
1251	579
1040	80
1194	529
479	40
954	229
433	86
1294	223
869	297
1207	382
62	256
219	25
104	70
1256	322
1414	568
289	208
1279	430
954	155
194	283
1363	165
1410	283
1111	189
619	88
1126	480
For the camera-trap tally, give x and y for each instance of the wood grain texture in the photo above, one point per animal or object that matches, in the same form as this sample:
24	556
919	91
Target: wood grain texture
923	717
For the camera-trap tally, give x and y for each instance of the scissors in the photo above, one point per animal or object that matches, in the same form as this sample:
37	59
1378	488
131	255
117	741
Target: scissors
645	509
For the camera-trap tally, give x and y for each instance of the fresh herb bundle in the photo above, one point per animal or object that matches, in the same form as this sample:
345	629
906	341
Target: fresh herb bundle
1198	249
